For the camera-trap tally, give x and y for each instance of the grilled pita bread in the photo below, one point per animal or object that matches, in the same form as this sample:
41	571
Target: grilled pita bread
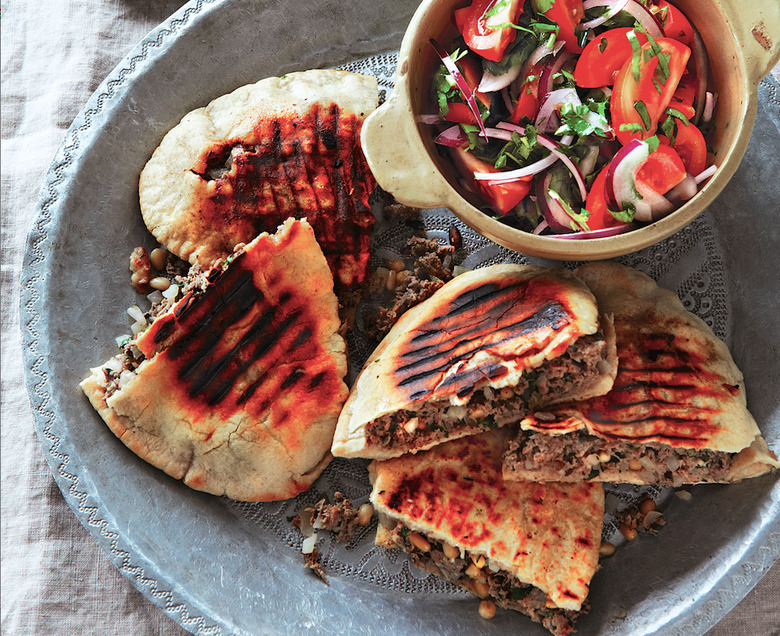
529	547
282	147
486	347
242	383
676	414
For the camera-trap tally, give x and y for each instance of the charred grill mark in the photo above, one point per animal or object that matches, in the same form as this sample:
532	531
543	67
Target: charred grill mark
301	338
164	331
239	296
265	341
291	379
550	314
316	380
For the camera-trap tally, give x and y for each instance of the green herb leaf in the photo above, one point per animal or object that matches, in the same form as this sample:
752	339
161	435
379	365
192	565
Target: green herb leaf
678	115
636	54
602	45
653	143
542	6
626	214
641	109
631	127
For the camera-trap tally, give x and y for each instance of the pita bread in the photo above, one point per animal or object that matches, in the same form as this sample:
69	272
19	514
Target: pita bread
242	383
473	356
282	147
520	536
676	414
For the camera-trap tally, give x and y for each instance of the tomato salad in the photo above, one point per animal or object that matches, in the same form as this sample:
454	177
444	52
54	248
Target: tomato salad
575	119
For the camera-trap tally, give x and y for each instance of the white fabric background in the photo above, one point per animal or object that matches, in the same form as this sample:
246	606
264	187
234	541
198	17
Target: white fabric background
55	580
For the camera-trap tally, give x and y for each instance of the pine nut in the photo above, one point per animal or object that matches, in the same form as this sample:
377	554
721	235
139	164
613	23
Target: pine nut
604	457
628	532
506	393
419	542
160	282
396	265
648	505
478	560
487	609
450	551
391	276
478	413
365	513
158	258
402	277
606	549
634	464
473	571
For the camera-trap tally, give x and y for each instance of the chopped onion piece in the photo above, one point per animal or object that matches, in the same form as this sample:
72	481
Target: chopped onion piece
309	543
125	377
171	292
138	327
541	227
120	340
615	8
706	174
491	83
538	54
136	314
155	297
463	86
113	365
427	119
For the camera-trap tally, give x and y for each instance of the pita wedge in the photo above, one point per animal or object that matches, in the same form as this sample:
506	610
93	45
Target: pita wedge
529	547
285	146
241	381
484	350
676	414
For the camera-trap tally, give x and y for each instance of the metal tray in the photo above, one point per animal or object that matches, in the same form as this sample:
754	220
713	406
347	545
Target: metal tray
215	571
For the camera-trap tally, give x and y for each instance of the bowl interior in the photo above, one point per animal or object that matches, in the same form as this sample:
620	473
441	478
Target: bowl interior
733	121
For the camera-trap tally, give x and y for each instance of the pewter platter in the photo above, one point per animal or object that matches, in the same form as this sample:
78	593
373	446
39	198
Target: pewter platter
217	567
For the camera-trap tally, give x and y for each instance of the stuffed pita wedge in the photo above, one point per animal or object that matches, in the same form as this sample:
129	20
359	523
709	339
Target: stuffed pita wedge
284	146
236	388
529	547
676	414
484	350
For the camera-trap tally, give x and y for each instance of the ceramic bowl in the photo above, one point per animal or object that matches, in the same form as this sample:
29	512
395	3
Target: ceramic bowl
742	38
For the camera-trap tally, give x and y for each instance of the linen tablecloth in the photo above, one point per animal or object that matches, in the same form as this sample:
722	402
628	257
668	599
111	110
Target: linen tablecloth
55	580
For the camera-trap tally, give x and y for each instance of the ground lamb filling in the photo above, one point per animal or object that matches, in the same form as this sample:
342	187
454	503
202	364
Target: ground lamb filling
488	407
579	456
478	575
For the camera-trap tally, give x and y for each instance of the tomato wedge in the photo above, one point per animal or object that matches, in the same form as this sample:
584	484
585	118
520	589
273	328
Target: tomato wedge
674	23
683	97
603	57
472	73
567	14
528	99
660	172
637	106
500	196
474	23
691	146
596	203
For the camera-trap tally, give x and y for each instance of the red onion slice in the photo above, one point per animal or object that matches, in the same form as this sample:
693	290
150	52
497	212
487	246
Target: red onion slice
639	13
546	119
428	119
454	137
553	146
463	86
491	83
706	174
541	227
594	234
709	106
615	8
702	71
